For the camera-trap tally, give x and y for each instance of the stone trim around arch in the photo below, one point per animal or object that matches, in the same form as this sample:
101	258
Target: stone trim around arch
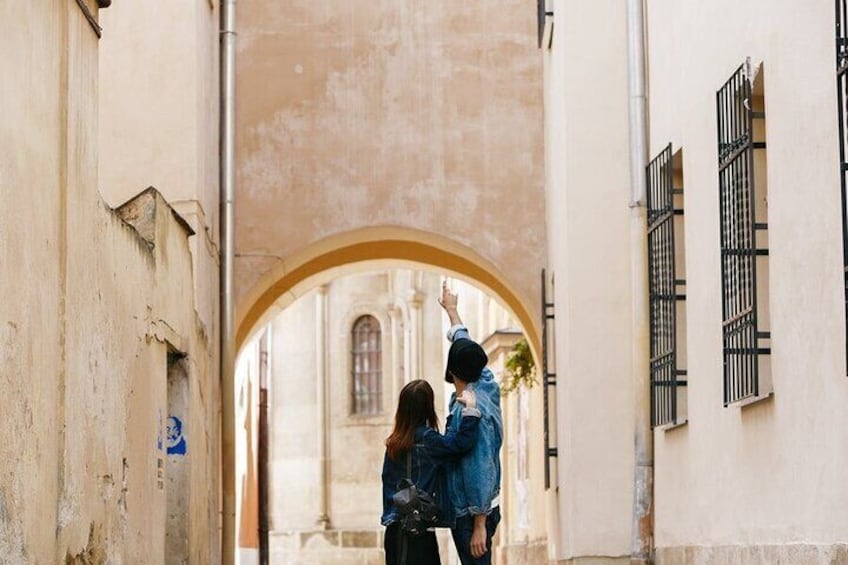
291	275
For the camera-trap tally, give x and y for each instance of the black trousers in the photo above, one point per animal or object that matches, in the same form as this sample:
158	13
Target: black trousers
420	550
462	538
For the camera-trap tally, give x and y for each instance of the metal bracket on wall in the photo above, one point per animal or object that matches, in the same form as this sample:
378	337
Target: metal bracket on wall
92	21
548	376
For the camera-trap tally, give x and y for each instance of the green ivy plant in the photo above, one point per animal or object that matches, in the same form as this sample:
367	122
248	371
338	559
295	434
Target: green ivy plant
520	368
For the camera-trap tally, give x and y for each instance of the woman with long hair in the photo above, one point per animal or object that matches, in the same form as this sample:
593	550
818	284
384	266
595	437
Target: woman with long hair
417	451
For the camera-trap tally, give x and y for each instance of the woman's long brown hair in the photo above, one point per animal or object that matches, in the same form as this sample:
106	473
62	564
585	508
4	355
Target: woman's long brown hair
416	407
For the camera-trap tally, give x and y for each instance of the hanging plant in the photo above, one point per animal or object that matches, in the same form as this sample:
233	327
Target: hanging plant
519	369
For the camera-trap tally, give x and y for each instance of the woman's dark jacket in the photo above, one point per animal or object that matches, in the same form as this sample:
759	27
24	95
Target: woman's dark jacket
431	453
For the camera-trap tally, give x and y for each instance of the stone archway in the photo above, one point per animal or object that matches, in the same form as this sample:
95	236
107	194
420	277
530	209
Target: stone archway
361	251
288	278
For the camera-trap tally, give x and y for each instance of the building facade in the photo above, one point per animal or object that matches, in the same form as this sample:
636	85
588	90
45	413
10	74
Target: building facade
714	300
108	351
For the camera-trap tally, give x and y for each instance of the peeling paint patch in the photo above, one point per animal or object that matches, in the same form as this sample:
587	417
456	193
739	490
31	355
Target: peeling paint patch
94	552
11	536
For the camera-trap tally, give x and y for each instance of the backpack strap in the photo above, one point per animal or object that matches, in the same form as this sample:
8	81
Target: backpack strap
403	542
403	547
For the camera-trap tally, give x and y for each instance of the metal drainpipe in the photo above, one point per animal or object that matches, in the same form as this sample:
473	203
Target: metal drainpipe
227	197
642	520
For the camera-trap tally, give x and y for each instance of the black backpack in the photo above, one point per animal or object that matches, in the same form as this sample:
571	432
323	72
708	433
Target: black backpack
417	509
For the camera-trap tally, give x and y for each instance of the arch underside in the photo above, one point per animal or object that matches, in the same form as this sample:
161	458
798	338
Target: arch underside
330	258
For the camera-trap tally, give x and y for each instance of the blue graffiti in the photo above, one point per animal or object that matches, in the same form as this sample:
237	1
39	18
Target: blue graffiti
174	436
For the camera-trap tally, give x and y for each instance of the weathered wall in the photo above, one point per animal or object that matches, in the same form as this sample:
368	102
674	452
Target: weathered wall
755	476
91	309
379	113
158	117
32	179
588	196
158	127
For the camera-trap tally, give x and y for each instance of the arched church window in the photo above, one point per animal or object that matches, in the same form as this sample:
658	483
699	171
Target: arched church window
367	367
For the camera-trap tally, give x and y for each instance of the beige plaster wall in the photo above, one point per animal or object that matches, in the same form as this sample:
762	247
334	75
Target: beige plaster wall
158	117
158	126
90	311
588	195
30	248
424	116
770	474
158	102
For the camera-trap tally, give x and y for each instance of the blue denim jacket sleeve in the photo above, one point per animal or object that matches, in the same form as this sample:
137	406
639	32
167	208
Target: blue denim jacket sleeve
475	481
460	332
457	440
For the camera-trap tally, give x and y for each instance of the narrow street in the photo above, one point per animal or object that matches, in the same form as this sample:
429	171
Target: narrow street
229	229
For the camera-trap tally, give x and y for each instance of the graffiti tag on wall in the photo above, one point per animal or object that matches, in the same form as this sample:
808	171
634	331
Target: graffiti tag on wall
174	438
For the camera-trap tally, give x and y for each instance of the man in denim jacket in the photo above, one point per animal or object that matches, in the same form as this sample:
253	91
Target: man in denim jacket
474	483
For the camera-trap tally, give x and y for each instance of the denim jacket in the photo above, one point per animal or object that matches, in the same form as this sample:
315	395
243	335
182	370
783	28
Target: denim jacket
474	482
430	454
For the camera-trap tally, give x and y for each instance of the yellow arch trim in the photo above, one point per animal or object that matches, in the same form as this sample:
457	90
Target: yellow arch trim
376	244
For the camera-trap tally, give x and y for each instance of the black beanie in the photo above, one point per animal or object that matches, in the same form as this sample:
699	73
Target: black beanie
466	360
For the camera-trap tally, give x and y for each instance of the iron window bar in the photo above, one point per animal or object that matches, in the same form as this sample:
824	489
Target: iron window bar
541	13
548	377
841	94
665	290
743	340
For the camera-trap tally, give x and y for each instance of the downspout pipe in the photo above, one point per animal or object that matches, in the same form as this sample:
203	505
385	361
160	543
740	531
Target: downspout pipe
643	489
227	356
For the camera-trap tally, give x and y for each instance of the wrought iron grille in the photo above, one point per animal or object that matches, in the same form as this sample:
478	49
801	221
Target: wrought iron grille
664	288
367	367
841	94
742	337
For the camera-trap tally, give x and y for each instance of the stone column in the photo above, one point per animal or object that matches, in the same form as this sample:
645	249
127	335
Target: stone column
414	299
394	373
322	385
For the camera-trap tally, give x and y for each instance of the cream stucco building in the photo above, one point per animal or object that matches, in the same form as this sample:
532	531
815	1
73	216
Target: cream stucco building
739	351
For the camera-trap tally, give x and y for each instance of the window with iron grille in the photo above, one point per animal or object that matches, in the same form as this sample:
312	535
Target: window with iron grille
367	367
744	236
841	94
666	288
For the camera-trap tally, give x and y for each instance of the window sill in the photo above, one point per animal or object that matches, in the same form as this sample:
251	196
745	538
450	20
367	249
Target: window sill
751	400
670	427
